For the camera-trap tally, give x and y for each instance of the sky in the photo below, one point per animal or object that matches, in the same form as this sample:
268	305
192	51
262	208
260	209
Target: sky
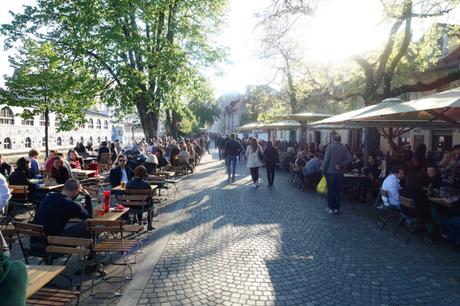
338	30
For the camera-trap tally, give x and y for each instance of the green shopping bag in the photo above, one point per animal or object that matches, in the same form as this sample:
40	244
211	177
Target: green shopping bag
322	186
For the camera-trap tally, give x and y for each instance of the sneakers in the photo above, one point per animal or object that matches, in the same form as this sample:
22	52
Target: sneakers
329	211
336	211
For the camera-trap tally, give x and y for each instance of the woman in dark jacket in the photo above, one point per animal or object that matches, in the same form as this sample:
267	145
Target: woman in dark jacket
20	176
270	158
59	172
139	182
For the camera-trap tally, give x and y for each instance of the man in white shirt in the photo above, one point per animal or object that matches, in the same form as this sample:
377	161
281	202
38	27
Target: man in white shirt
4	192
392	185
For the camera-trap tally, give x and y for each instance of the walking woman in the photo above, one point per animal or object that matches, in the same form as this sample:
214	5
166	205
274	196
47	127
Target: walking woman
253	157
270	158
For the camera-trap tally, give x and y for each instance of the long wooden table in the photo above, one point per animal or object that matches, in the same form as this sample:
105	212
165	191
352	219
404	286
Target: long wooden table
82	172
39	276
118	188
111	215
108	216
442	201
52	187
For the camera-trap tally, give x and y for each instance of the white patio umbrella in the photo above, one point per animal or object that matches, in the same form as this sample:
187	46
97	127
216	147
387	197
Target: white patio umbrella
283	125
439	109
344	120
305	117
251	126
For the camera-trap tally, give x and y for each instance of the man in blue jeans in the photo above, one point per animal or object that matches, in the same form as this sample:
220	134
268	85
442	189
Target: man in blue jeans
232	149
336	158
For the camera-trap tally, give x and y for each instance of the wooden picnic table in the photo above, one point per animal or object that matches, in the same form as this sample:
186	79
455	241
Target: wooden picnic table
355	175
82	172
111	215
108	216
39	276
446	202
51	187
118	188
165	173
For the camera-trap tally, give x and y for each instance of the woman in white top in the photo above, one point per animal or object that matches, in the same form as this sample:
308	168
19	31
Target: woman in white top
253	160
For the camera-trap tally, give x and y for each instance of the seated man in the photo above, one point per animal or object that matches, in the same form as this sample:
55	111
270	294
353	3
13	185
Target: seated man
103	149
5	193
57	209
34	171
312	170
120	173
392	185
432	180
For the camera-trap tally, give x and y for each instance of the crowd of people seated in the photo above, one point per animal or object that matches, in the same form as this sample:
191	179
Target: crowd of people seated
418	175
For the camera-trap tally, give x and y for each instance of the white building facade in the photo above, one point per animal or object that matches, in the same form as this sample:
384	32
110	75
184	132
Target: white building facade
18	136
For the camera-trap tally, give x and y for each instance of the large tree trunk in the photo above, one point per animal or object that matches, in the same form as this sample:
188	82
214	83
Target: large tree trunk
149	120
174	124
47	123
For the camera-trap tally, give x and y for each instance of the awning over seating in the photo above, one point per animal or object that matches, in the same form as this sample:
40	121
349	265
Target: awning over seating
438	109
251	126
305	117
283	125
343	120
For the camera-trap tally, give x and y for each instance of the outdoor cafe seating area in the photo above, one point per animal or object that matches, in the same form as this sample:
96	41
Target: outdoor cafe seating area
117	197
429	198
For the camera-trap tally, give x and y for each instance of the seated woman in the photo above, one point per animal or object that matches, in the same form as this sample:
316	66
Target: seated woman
184	157
59	172
74	160
413	190
138	182
20	176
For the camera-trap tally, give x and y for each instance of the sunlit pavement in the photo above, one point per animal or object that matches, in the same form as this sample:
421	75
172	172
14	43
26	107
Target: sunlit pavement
230	244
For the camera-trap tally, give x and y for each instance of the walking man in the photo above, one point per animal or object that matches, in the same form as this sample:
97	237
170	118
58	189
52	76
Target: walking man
232	150
336	158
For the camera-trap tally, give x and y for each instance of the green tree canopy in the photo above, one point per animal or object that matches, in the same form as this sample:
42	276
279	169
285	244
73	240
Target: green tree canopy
145	50
45	81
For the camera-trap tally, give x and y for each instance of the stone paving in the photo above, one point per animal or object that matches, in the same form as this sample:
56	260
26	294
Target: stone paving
232	244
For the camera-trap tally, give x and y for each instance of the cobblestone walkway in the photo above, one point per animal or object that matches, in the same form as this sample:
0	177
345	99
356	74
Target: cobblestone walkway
231	244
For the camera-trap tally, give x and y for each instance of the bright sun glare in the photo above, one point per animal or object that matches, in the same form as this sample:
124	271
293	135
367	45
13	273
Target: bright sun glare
343	28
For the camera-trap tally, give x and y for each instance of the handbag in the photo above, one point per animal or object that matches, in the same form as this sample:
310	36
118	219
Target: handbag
261	156
322	186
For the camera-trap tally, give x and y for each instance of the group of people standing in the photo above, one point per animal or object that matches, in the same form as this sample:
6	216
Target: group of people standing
256	156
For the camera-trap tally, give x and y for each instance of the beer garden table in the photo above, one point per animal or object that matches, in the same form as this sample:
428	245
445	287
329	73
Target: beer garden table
39	276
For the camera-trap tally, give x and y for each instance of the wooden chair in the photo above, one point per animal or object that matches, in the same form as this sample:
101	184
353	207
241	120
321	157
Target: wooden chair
407	214
59	245
53	297
37	246
20	200
139	201
106	162
175	183
385	211
112	245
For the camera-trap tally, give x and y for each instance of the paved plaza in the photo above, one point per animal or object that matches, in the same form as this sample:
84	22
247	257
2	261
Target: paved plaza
231	244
